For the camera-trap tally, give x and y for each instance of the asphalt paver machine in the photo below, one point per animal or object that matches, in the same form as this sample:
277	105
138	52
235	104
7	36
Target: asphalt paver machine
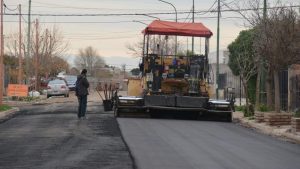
175	82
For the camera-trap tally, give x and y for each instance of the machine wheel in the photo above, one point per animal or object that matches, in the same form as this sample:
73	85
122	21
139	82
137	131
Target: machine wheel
229	117
116	112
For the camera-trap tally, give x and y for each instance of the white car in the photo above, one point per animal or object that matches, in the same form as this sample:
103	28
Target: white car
57	87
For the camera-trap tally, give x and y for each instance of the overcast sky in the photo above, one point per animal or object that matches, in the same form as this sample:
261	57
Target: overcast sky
110	34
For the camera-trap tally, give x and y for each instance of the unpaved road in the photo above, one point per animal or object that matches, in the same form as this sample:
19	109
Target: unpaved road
50	136
182	144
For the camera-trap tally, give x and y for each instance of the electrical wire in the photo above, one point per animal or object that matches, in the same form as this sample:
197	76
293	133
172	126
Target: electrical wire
155	13
104	38
240	12
51	5
209	10
117	22
188	14
5	6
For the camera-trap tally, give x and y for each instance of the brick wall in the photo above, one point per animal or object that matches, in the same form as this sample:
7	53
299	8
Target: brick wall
277	119
259	117
295	124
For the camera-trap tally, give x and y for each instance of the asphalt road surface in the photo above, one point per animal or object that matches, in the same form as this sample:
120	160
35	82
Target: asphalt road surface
51	137
182	144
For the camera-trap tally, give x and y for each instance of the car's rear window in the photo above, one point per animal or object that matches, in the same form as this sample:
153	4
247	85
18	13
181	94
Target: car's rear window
57	82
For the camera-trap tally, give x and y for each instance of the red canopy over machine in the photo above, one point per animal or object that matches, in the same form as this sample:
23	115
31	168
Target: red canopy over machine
159	27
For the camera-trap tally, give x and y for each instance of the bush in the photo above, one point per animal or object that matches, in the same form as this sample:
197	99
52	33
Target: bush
25	99
240	108
29	99
251	111
4	107
263	108
297	113
244	110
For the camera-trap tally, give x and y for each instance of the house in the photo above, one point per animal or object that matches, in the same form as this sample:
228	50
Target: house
227	79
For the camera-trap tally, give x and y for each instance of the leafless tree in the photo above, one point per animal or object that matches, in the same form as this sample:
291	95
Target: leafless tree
51	47
280	43
275	42
158	44
90	59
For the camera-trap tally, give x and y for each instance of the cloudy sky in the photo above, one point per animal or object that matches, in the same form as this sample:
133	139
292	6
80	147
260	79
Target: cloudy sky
110	33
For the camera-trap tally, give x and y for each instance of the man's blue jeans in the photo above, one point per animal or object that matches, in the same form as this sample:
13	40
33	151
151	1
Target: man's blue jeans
82	100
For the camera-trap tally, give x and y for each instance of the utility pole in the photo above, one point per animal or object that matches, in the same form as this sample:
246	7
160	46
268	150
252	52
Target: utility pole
261	74
15	45
193	20
20	50
28	43
1	54
36	72
265	9
218	48
124	70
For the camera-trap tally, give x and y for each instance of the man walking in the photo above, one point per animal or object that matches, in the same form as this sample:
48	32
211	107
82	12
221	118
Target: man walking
81	90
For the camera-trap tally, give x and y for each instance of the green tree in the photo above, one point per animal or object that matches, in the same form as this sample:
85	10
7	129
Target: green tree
242	60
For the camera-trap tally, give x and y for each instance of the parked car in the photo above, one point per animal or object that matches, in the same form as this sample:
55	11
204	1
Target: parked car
57	87
71	81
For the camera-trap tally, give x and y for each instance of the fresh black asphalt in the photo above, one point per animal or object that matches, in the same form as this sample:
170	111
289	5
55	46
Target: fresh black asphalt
190	144
51	137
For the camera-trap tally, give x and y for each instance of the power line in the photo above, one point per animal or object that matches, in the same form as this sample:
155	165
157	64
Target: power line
92	8
209	10
5	6
106	38
156	13
188	15
116	22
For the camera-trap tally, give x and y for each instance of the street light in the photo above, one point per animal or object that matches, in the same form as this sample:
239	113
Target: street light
172	6
175	21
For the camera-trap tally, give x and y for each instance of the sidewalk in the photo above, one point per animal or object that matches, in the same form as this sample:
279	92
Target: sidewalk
283	132
6	115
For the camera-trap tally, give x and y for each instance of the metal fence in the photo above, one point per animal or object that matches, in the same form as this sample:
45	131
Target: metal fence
295	92
283	87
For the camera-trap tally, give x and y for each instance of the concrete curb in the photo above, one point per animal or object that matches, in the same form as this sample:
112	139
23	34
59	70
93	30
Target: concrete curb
268	130
6	115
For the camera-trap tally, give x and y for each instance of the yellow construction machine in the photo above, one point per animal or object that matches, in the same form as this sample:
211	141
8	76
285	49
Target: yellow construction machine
172	83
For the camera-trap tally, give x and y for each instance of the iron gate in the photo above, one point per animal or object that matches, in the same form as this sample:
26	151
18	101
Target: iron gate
295	92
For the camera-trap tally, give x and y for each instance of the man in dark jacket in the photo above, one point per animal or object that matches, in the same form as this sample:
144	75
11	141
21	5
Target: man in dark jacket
82	86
